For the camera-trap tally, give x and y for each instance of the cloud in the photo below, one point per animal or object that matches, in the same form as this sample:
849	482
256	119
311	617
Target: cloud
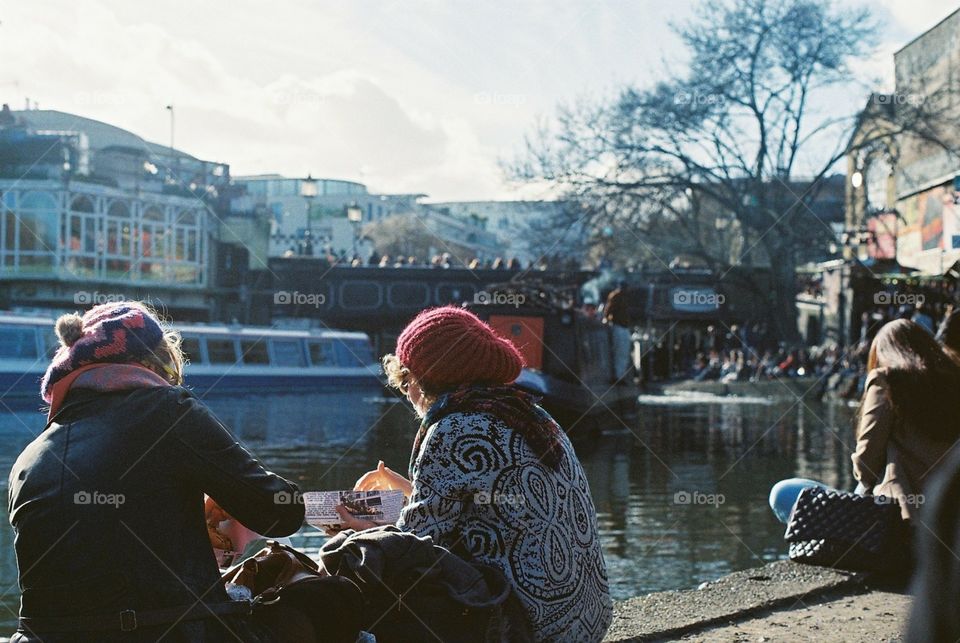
345	123
916	17
405	101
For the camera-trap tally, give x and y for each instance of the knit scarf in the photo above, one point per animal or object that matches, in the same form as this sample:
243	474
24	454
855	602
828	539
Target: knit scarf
518	409
103	377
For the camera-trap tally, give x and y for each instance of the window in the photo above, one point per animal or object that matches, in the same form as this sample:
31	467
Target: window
49	341
38	232
354	352
322	353
153	249
18	342
191	349
221	351
81	235
254	351
120	236
288	352
186	253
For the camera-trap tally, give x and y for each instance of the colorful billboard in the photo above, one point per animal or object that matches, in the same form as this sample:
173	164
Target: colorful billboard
931	222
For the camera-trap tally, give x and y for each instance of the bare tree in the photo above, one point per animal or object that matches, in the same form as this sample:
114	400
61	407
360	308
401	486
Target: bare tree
729	159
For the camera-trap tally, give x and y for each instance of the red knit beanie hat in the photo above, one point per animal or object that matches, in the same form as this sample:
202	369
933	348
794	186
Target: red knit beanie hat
449	346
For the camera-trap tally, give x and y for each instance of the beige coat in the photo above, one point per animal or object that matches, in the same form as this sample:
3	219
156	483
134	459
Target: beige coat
892	457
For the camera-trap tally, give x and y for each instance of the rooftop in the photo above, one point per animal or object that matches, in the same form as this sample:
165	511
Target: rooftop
100	135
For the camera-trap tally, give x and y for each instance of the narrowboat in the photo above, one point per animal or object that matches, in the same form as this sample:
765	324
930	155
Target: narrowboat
223	359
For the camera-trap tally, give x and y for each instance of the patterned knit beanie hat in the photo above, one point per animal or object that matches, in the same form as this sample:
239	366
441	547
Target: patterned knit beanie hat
119	332
449	346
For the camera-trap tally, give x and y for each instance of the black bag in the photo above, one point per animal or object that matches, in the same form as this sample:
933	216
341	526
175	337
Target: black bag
424	612
293	601
415	591
845	530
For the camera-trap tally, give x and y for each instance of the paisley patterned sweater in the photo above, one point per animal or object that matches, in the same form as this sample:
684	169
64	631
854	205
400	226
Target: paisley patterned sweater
477	486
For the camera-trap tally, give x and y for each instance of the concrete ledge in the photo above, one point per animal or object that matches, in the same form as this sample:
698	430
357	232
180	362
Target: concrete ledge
732	597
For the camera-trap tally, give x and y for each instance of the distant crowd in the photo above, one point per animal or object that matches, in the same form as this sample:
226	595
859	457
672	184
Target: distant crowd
748	352
442	260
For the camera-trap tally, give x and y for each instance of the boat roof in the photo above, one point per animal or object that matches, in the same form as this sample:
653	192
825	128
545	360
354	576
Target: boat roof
207	329
266	331
22	318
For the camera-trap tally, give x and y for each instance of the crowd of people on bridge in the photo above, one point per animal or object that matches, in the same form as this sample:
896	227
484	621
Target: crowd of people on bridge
439	260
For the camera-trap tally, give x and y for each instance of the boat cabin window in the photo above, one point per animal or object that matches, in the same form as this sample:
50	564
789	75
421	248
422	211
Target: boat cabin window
354	352
49	341
254	351
191	349
18	342
322	353
288	352
221	351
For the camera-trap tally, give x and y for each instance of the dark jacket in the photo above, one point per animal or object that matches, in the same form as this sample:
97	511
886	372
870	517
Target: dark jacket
417	591
936	584
107	505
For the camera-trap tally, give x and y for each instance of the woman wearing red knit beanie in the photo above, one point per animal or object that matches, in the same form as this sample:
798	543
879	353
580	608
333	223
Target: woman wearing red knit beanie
492	476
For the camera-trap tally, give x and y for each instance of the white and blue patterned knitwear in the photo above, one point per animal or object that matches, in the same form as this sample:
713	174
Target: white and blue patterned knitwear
477	485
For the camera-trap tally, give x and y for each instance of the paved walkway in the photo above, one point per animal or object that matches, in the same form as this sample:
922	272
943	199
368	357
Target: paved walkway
781	601
870	617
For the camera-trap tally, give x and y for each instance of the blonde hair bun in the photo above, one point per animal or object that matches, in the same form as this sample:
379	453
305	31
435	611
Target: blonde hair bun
69	329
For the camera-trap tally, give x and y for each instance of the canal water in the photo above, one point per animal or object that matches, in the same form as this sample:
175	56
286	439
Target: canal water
680	489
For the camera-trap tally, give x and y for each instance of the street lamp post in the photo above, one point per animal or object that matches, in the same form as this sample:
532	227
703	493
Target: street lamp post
355	216
856	244
308	190
172	153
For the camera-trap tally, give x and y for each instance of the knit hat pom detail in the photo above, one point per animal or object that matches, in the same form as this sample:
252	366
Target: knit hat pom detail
69	329
449	346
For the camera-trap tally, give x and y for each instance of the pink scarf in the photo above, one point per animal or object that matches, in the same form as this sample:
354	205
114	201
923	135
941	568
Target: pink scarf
103	377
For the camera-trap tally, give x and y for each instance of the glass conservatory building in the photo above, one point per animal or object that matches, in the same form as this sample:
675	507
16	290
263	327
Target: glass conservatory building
91	232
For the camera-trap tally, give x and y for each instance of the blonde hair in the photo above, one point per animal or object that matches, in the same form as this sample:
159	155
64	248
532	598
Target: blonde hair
397	374
399	377
169	355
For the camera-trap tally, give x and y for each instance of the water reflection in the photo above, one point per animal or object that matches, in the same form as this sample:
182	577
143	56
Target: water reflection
682	494
680	491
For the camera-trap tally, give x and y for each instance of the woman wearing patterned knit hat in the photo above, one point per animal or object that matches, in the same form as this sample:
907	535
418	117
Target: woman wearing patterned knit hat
108	501
492	475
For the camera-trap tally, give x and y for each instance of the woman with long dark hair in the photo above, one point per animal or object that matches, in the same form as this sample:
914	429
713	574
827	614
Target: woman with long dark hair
909	415
907	423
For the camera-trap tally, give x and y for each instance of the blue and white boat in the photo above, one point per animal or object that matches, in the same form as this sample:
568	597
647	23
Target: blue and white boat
225	359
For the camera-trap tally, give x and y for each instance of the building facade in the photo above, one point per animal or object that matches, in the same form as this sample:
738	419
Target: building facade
511	223
311	217
89	213
928	171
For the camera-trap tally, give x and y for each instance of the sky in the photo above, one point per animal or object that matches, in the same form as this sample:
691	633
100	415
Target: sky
407	96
